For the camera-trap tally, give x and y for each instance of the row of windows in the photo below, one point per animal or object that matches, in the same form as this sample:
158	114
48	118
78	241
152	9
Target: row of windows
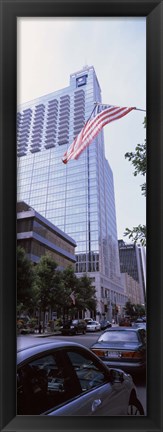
88	92
41	119
52	118
83	245
54	158
59	207
82	236
60	215
52	237
74	198
86	267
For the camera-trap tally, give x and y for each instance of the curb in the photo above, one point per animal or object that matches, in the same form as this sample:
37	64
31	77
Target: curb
44	335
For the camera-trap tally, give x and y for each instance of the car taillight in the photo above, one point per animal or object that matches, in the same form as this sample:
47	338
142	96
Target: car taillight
99	353
131	354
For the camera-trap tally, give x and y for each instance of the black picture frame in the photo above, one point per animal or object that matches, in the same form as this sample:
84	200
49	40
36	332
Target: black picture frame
153	11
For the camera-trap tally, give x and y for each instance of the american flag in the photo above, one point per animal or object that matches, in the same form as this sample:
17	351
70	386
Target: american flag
101	116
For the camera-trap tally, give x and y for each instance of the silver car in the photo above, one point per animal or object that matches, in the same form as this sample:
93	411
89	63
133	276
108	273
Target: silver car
66	379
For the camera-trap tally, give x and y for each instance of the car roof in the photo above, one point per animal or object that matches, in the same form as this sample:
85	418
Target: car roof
92	322
32	350
122	329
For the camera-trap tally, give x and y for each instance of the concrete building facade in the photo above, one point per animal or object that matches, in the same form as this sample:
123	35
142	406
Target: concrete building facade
132	262
40	237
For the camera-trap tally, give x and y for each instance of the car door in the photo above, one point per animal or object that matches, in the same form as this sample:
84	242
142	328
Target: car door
97	396
44	384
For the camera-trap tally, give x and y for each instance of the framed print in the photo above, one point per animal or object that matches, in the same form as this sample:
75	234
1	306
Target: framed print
11	13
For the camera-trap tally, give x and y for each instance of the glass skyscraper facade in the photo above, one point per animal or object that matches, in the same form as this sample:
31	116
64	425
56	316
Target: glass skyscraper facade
133	261
77	197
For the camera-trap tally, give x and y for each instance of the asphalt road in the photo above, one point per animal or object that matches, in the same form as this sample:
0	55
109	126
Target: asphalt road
86	340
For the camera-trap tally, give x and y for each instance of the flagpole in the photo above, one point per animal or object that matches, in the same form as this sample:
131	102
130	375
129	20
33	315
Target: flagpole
139	109
99	103
95	103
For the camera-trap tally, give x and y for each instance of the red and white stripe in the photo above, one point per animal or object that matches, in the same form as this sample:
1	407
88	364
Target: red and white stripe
92	128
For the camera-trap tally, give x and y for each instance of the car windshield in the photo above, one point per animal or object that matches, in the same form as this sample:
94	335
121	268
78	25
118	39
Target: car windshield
118	336
91	323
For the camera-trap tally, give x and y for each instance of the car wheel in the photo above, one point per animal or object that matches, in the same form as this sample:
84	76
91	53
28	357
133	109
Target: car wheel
135	408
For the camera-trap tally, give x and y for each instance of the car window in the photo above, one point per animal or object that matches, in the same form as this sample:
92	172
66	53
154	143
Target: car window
42	384
118	336
89	374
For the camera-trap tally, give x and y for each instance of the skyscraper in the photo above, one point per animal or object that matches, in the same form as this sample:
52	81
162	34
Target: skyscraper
133	262
77	197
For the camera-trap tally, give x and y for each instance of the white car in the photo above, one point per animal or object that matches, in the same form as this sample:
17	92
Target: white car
93	326
66	379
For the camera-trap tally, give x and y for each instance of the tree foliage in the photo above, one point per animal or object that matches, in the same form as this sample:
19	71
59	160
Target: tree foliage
44	282
25	277
82	289
138	234
50	288
134	310
86	295
139	161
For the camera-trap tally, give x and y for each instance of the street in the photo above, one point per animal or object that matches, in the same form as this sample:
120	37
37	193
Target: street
87	340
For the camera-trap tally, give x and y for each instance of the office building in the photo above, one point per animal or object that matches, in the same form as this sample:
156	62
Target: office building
132	289
78	197
132	261
40	237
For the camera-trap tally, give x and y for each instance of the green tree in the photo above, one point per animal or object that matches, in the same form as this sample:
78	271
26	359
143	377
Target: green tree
58	293
83	291
129	309
134	310
25	278
139	161
70	283
44	283
140	310
66	284
86	294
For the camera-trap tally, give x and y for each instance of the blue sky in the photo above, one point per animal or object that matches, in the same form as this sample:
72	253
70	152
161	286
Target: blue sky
50	49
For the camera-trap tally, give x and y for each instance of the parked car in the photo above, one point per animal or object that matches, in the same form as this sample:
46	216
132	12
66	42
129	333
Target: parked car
139	324
88	319
105	324
140	320
73	327
93	326
126	322
122	347
66	379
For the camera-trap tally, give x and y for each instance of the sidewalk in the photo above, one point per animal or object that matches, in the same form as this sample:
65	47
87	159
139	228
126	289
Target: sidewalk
47	334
